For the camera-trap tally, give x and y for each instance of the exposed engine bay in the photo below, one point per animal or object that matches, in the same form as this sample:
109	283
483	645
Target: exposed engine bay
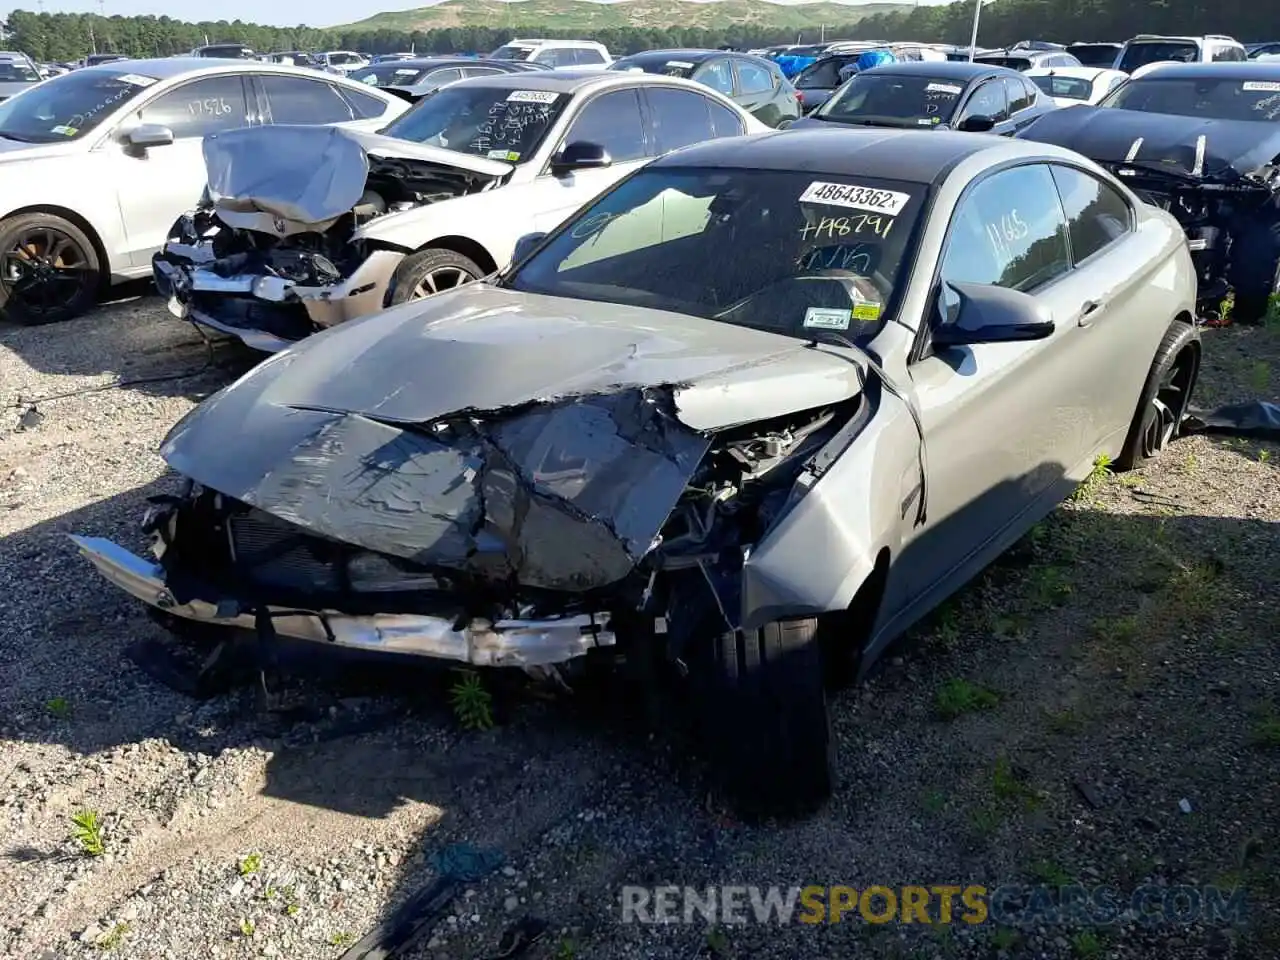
648	524
282	253
1219	178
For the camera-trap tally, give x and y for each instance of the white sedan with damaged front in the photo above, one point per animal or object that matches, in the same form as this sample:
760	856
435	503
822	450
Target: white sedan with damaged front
302	229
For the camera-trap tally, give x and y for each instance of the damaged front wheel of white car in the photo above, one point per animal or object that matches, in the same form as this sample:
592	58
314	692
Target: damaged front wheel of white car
766	725
428	272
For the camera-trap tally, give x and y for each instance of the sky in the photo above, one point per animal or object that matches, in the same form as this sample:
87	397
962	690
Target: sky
288	13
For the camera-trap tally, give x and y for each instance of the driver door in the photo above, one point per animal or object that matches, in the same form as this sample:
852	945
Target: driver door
1003	422
158	184
612	120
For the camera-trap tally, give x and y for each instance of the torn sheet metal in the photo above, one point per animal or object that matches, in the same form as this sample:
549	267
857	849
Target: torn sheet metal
566	496
1257	420
1213	149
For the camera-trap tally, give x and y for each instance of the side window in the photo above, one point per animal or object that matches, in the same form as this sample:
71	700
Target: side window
438	78
682	117
365	106
479	71
987	101
753	79
613	121
299	100
555	57
200	107
1010	231
1096	214
1115	82
1016	94
724	122
716	74
587	56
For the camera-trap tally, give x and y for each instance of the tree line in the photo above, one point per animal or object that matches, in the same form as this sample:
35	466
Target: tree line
68	36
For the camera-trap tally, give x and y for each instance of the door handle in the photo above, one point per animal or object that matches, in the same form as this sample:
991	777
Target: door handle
1088	311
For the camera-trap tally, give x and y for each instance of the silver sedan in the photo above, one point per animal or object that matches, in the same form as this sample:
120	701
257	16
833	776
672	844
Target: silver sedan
97	164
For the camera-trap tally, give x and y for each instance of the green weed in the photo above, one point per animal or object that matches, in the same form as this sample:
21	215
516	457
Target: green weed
1097	476
1123	630
958	696
59	707
1050	873
341	939
1004	938
113	939
472	703
1008	787
1086	945
250	864
86	830
247	927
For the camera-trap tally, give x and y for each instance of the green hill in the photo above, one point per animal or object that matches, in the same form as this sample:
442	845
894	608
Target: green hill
586	16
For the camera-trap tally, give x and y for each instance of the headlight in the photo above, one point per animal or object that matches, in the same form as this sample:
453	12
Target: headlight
374	573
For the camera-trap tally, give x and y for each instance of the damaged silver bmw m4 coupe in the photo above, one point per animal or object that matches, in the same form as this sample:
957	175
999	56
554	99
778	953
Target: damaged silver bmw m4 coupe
748	415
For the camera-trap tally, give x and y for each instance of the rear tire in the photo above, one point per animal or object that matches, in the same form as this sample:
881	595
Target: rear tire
767	728
1254	272
428	272
1165	397
49	269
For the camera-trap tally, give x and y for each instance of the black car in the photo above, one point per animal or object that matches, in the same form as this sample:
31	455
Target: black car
753	83
1201	141
418	78
1269	49
938	96
1095	54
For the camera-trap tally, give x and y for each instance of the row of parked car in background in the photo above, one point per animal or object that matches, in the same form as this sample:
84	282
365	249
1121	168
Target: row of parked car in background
579	359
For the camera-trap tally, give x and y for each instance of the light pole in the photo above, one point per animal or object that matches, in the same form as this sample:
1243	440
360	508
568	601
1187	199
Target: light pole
973	40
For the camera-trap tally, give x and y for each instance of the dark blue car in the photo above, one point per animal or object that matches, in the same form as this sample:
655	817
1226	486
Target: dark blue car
937	96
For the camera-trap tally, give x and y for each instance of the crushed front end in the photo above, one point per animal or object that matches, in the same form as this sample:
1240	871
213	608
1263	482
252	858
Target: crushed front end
274	251
526	537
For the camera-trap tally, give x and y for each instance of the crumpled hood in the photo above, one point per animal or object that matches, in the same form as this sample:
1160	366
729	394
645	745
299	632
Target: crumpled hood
310	175
576	453
1213	149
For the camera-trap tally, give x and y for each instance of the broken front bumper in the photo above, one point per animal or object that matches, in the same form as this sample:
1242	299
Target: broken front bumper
506	643
268	313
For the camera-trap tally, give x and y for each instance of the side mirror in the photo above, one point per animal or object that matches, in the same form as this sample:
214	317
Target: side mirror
973	313
783	124
580	155
526	245
150	135
977	124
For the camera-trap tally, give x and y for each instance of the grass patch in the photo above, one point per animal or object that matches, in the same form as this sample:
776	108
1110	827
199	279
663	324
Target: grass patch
1266	729
1005	938
1121	630
1064	722
1086	945
59	707
1050	873
250	864
1009	787
341	939
113	939
1260	376
934	801
86	831
247	927
472	703
958	696
1050	586
1093	482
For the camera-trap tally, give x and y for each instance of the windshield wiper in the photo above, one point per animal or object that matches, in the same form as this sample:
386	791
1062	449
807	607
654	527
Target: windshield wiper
10	136
816	337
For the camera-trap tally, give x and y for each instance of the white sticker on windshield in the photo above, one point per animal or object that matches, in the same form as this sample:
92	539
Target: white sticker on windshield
855	197
370	78
405	73
1261	86
510	156
137	79
683	64
532	96
944	88
63	130
827	318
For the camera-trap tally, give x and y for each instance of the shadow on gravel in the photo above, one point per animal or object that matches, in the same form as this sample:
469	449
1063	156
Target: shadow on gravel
1128	662
134	338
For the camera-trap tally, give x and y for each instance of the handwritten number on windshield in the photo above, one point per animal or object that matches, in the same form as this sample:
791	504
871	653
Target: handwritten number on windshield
861	223
209	107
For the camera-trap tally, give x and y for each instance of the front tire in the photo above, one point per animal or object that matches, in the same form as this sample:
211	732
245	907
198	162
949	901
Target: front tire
1165	396
428	272
49	269
1255	272
767	728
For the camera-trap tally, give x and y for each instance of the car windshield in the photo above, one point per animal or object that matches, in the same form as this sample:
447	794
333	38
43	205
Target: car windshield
17	71
389	74
1140	54
1068	88
892	99
824	74
673	66
1094	55
797	253
1013	63
69	106
1211	99
484	121
804	52
512	53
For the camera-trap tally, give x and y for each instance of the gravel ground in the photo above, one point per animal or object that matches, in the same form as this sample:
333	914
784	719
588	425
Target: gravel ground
1102	707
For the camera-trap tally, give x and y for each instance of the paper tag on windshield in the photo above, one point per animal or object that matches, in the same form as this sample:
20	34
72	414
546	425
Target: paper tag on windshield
866	311
63	130
511	156
855	197
371	79
827	318
406	73
137	79
943	88
532	96
682	64
1261	86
